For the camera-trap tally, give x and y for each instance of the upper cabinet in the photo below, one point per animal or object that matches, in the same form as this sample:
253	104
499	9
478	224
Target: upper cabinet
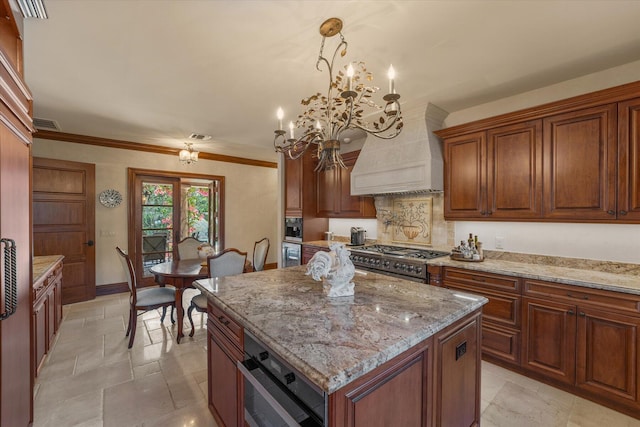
495	174
333	190
574	160
293	187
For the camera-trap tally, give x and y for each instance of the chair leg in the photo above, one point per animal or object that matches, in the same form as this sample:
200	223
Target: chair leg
131	316
164	313
134	324
173	320
189	311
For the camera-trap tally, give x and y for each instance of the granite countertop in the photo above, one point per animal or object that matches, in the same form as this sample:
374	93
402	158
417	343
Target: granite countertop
43	264
611	276
333	341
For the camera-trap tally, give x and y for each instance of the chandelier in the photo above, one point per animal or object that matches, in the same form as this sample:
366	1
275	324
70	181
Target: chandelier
188	155
327	116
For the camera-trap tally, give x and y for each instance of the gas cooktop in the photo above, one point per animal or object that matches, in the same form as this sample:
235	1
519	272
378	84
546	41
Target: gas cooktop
400	251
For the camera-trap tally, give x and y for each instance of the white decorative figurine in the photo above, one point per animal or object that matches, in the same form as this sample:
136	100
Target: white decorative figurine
336	268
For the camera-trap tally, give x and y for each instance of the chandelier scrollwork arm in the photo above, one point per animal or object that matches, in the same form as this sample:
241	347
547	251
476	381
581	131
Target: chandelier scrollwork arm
325	118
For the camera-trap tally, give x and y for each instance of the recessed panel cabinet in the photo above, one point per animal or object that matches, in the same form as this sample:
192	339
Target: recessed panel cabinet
495	174
575	160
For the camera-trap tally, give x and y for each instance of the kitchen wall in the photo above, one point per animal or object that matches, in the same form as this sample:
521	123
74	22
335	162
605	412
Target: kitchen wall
611	242
251	197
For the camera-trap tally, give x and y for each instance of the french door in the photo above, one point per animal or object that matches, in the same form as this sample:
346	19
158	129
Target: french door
166	208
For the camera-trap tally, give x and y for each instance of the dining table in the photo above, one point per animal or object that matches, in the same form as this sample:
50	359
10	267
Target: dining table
181	274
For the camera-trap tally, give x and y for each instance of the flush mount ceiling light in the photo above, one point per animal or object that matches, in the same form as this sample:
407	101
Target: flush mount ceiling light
32	9
188	155
327	117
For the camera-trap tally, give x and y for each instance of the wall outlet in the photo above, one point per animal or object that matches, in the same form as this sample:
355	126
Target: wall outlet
499	242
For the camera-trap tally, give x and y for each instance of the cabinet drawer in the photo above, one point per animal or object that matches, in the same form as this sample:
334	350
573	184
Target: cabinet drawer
230	347
502	307
611	300
228	326
501	343
483	280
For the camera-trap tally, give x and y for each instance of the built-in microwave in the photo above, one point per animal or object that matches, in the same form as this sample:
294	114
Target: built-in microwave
293	229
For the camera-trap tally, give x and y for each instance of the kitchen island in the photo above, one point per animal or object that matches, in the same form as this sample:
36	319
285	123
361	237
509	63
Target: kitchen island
395	353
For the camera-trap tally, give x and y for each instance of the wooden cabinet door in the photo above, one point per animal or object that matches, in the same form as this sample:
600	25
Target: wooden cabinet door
327	187
514	171
458	376
293	187
224	397
39	332
608	354
580	164
549	339
465	176
629	161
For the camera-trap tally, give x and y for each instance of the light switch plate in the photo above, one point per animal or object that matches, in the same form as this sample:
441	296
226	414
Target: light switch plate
499	242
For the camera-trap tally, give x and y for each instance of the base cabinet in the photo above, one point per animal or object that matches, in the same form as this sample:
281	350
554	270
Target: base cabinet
309	251
47	312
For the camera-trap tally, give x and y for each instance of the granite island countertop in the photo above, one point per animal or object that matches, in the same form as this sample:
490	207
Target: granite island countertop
333	341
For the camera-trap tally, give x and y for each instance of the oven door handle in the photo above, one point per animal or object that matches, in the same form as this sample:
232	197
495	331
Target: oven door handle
265	394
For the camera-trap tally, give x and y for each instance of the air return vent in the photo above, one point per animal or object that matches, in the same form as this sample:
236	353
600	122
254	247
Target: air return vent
46	124
199	137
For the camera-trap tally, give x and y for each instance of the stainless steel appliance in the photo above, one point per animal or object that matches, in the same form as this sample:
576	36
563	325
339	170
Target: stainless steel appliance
276	394
397	261
357	236
293	229
291	254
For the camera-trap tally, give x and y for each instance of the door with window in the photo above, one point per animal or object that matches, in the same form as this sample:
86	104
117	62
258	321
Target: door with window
168	207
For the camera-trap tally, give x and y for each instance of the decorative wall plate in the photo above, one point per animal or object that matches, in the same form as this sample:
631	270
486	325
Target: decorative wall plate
110	198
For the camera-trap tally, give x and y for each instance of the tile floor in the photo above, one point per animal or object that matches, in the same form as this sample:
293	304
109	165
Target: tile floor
91	379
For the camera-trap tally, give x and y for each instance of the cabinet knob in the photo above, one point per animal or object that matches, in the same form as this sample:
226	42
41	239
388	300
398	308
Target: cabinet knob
571	312
623	212
582	313
610	212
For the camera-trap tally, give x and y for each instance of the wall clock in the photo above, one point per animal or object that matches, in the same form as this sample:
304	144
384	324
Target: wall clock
110	198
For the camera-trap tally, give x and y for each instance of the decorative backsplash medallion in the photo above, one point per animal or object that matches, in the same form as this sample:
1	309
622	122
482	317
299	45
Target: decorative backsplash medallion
412	221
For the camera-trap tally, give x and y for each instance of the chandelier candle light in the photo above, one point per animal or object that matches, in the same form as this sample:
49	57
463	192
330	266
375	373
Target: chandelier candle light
327	117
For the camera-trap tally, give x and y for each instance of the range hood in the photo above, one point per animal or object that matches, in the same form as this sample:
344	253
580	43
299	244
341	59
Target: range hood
412	162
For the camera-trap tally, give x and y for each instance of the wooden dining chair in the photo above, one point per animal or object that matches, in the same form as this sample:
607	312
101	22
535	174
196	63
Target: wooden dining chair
144	299
188	248
260	251
226	263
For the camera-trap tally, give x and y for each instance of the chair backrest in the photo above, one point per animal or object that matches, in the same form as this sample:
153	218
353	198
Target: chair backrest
188	248
127	265
227	263
260	251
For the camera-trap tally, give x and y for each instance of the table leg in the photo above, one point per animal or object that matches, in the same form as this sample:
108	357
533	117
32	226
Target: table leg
180	310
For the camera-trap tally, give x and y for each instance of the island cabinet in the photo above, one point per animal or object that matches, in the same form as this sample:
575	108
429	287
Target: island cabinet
501	316
333	190
47	309
571	160
495	174
587	339
225	384
435	383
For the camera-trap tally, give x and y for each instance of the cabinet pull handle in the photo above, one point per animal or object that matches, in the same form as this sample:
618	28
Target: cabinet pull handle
226	323
571	312
220	318
623	212
10	278
579	297
610	212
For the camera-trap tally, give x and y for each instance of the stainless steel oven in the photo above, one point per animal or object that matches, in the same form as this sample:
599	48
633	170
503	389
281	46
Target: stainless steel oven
276	394
291	254
293	229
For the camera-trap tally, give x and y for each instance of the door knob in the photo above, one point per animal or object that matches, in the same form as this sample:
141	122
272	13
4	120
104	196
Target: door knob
89	243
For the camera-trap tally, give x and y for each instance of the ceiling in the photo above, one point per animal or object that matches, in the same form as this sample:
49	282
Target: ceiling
155	71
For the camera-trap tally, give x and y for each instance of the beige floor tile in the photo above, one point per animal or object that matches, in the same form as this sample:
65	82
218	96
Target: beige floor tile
134	402
92	379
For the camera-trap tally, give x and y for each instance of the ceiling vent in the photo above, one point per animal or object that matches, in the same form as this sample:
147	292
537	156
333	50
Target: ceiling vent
46	124
199	137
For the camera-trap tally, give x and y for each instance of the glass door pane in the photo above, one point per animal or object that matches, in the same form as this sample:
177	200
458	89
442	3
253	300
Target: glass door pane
157	224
